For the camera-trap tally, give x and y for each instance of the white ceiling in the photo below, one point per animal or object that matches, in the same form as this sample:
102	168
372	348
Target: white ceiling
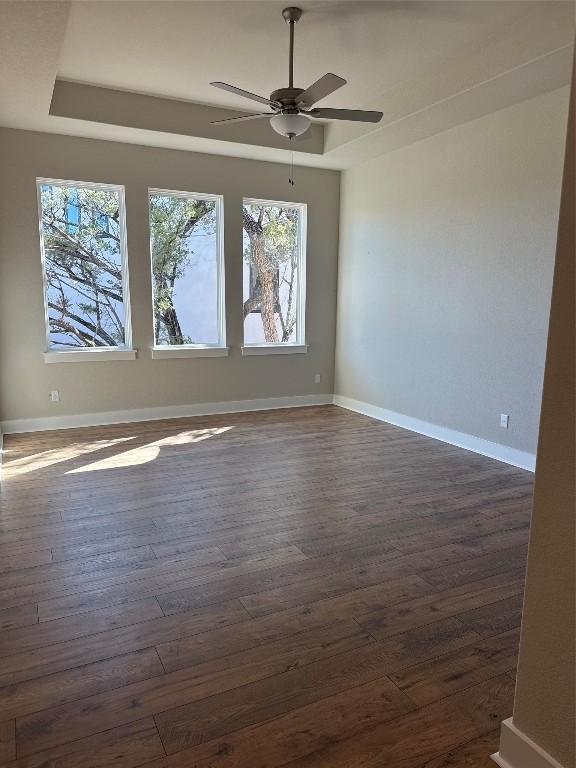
404	57
176	48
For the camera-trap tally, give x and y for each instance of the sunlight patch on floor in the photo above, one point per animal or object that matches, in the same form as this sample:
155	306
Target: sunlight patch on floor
149	452
44	459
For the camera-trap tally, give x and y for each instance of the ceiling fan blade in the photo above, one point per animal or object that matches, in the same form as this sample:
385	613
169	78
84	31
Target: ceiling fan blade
358	115
321	88
242	118
246	94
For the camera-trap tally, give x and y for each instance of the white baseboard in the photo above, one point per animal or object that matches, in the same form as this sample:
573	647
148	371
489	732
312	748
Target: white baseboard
42	424
518	751
469	442
496	451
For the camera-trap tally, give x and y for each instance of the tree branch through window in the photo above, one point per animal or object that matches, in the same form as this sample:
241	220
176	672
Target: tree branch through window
83	265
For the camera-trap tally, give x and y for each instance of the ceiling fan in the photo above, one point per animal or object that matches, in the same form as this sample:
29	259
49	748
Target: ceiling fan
292	107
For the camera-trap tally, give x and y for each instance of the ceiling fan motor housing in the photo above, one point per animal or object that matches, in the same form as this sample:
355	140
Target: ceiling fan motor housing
288	97
288	122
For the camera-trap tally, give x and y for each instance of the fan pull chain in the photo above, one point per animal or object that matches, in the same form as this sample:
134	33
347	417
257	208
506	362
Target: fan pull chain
291	177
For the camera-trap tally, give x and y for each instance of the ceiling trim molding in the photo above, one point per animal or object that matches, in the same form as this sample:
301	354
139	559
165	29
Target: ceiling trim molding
93	103
548	73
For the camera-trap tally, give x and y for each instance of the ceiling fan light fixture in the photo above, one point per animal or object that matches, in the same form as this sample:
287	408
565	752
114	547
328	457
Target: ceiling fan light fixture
290	125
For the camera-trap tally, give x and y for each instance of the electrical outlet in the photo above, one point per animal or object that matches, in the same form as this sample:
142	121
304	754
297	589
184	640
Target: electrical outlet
54	396
504	420
317	378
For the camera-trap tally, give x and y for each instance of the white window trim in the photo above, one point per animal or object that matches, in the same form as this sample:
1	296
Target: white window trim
220	349
85	354
95	355
300	344
196	350
274	349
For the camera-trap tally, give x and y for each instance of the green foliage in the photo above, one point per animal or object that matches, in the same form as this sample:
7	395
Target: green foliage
173	222
280	229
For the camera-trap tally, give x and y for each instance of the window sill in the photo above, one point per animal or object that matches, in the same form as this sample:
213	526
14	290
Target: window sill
162	353
88	355
274	349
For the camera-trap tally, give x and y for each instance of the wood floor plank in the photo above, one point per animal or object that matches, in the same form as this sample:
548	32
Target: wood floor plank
463	668
475	568
394	746
98	564
175	577
345	541
45	591
117	544
483	542
488	703
17	522
427	642
474	754
294	688
292	574
312	590
18	560
185	538
495	618
43	536
402	743
105	645
338	731
21	616
77	683
47	633
445	604
210	645
306	588
7	741
152	696
127	746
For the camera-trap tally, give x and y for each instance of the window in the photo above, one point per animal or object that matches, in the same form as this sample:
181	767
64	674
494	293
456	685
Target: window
274	273
187	269
83	245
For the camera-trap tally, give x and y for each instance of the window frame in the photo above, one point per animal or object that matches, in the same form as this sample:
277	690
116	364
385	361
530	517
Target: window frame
299	345
83	354
219	349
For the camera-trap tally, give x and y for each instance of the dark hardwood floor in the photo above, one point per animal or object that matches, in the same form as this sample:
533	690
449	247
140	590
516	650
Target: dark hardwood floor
305	588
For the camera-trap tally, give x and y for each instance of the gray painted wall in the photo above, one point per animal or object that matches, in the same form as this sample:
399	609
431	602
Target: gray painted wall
445	272
26	380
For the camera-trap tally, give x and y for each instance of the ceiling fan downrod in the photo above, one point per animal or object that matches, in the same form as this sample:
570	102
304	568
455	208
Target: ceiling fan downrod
291	14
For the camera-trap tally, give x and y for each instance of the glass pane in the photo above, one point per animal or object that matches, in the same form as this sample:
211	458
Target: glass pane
184	245
83	266
271	235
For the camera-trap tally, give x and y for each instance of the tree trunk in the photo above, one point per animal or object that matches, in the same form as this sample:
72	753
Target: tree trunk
265	277
168	317
172	323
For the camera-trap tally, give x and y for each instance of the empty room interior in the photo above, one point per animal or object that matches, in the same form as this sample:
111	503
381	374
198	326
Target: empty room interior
287	397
